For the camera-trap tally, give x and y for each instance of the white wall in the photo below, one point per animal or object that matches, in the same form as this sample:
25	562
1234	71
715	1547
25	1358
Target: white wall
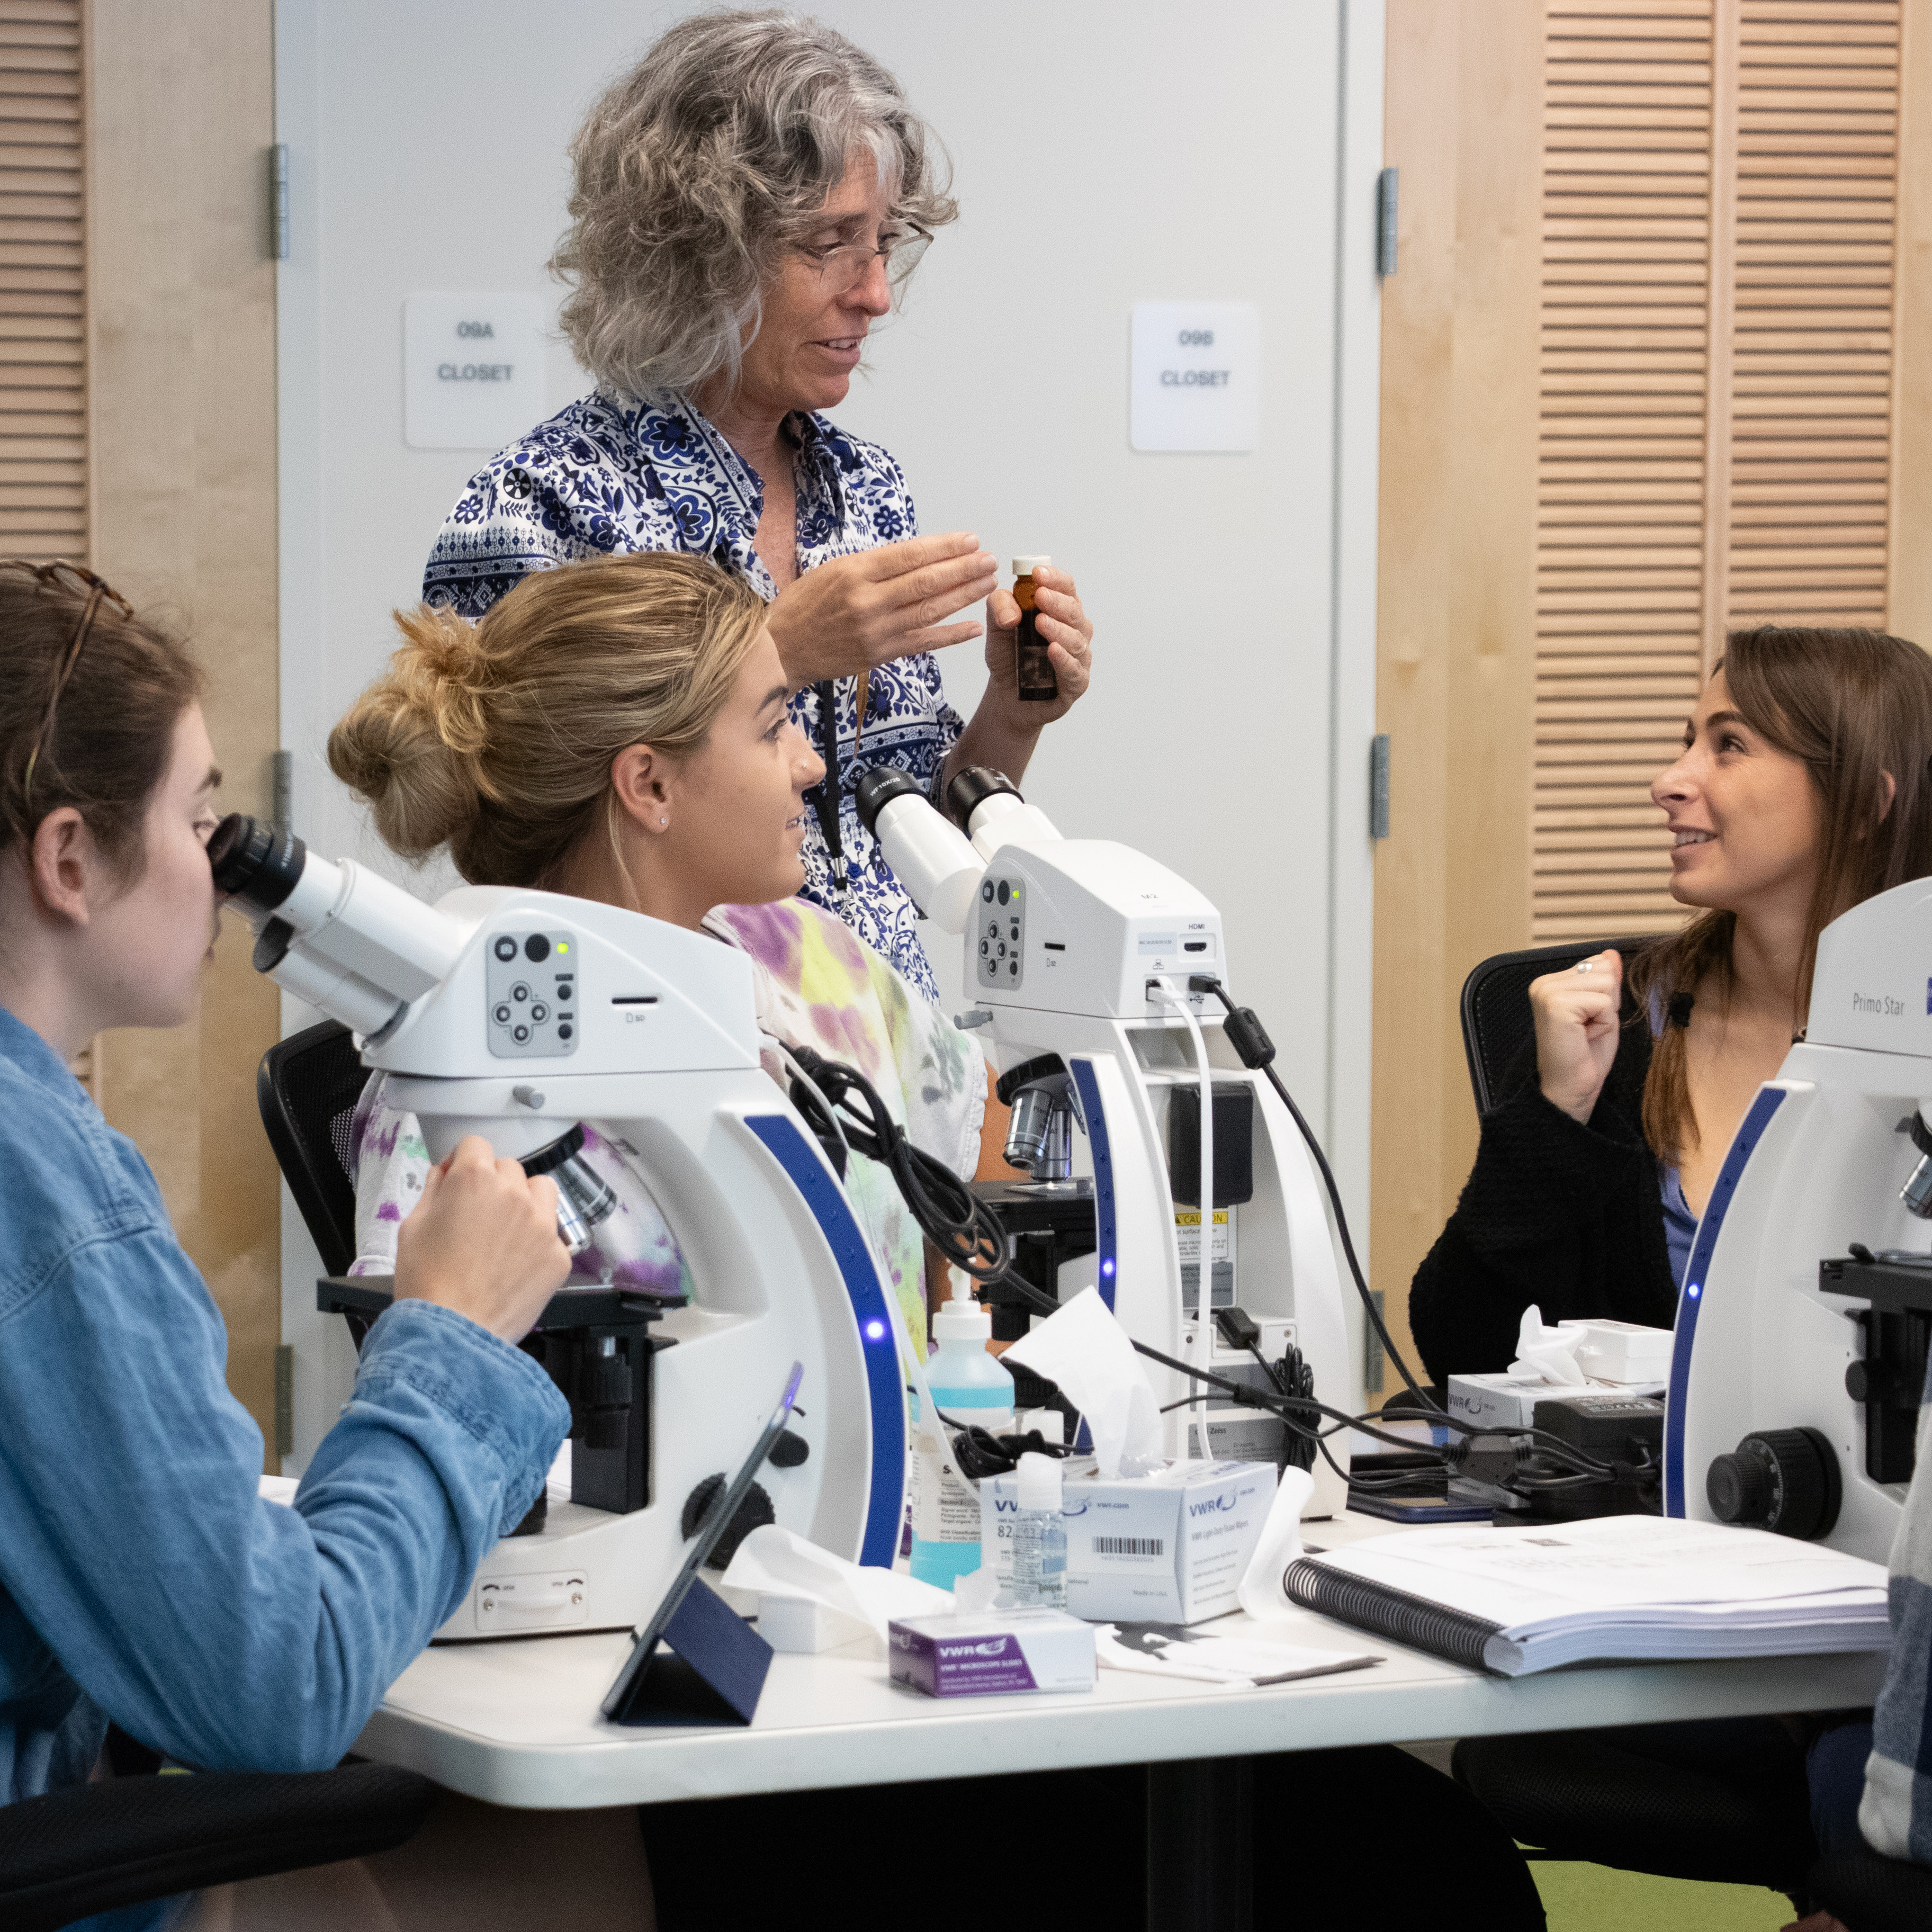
1104	150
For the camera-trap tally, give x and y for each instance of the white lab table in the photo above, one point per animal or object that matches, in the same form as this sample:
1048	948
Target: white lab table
516	1723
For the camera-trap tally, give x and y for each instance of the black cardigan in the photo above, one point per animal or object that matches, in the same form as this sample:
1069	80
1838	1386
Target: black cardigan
1567	1217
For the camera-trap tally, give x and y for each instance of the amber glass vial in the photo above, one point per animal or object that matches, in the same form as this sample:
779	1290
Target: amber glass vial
1037	683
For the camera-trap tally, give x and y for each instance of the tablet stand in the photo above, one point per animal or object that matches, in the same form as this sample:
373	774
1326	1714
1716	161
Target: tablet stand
712	1672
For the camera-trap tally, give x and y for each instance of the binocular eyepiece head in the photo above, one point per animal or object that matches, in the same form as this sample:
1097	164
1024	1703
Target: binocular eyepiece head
254	863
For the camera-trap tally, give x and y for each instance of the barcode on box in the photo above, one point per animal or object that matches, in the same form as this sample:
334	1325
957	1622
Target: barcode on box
1129	1546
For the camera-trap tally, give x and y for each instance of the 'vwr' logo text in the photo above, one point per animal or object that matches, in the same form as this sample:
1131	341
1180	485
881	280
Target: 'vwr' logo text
995	1647
1214	1504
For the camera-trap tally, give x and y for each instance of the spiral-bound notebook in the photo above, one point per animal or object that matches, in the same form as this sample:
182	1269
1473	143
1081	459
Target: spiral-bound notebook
1636	1587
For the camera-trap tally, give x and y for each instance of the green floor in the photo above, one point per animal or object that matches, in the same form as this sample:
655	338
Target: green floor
1590	1898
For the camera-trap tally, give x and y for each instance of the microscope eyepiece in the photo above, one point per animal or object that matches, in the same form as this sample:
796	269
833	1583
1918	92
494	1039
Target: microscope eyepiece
878	787
971	788
255	863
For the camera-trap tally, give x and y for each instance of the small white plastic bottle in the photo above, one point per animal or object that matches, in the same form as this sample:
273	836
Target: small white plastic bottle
969	1385
1039	1535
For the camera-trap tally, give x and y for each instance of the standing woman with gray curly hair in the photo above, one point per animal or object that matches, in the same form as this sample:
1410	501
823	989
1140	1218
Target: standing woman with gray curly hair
748	201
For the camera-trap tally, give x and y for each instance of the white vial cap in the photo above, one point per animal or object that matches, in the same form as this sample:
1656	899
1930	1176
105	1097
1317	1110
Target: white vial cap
1039	1482
1024	566
962	1319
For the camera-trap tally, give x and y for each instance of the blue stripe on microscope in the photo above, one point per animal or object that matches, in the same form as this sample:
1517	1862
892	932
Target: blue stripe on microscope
878	1345
1104	1240
1691	1299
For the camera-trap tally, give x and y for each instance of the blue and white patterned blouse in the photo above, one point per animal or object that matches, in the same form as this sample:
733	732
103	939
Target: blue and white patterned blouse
604	476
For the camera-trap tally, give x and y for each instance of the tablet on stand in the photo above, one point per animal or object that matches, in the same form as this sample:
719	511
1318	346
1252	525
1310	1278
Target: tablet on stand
715	1666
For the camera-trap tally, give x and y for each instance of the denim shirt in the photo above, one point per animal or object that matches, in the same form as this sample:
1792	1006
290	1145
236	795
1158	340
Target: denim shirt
142	1577
603	476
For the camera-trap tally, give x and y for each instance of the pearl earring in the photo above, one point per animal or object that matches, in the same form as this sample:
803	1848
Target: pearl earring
664	821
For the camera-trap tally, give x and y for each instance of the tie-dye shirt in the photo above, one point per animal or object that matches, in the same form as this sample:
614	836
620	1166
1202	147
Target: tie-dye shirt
818	985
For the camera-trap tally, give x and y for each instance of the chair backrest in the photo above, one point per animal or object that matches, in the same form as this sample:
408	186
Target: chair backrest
1497	1024
306	1087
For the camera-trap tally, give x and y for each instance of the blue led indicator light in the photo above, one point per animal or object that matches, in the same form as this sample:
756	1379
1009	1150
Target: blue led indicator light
1694	1290
874	1331
1107	1266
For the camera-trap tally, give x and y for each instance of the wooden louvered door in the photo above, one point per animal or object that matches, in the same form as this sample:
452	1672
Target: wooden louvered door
1720	181
43	296
1656	362
42	266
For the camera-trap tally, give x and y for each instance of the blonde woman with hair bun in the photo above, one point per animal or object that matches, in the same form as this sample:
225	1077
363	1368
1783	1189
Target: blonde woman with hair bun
617	730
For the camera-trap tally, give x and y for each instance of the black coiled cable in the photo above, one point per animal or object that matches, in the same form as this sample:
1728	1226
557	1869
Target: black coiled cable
965	1230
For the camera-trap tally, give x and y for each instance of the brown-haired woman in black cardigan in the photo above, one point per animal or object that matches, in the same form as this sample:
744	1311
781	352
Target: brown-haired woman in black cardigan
1802	790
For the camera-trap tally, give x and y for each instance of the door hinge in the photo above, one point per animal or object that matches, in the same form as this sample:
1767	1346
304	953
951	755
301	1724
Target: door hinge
278	201
282	788
1385	211
285	1400
1373	1356
1378	786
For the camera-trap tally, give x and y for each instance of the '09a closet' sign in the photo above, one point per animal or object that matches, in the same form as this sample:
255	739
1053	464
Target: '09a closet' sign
472	370
1196	382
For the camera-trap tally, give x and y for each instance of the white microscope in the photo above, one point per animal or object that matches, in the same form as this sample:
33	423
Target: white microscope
619	1055
1080	951
1802	1325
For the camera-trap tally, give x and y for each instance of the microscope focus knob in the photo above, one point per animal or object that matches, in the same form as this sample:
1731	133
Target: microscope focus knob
1738	1488
753	1513
1783	1479
1863	1383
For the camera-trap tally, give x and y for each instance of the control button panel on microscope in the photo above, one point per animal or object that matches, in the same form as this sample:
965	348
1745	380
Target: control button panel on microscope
531	986
1002	933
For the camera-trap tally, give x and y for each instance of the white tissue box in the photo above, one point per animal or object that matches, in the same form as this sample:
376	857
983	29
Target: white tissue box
1503	1401
803	1626
1171	1547
1623	1352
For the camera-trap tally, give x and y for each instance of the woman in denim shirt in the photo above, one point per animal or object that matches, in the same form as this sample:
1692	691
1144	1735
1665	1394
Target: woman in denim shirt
142	1579
746	203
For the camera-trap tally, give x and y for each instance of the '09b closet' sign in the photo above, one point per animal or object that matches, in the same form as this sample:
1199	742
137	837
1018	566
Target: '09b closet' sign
472	370
1196	380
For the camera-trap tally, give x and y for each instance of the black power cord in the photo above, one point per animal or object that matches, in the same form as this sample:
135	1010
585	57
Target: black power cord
1249	1038
969	1235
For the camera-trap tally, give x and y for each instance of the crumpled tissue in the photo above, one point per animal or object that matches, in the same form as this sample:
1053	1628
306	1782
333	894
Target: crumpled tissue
1086	1352
819	1600
1260	1590
1548	1353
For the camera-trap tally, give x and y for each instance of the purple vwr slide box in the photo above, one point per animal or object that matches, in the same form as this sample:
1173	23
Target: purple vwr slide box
994	1652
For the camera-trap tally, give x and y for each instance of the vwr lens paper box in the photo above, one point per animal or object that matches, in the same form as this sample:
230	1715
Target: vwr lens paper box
1502	1401
991	1652
1170	1547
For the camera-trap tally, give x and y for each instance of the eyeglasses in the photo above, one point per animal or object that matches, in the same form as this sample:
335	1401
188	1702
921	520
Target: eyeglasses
846	264
76	581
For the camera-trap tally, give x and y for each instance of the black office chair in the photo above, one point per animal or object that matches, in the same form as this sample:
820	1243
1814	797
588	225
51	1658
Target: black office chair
306	1087
1496	1021
1866	1893
93	1847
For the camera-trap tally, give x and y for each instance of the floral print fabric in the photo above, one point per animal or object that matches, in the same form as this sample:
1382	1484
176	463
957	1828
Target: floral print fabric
819	985
603	476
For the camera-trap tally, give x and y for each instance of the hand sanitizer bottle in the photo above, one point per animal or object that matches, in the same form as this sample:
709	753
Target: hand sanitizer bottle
971	1386
1040	1536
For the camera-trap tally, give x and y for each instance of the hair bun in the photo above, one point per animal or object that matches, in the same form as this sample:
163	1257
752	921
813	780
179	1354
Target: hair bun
409	744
